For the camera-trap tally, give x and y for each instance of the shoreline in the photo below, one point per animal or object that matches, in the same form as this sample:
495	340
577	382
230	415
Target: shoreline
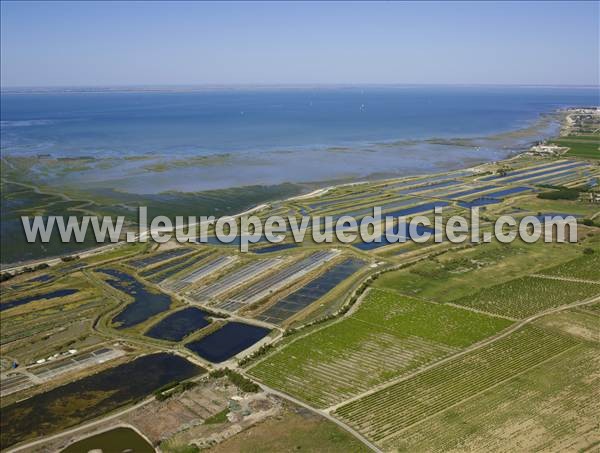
55	260
322	188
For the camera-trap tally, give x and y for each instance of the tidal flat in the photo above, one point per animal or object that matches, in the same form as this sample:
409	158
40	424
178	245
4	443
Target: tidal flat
220	152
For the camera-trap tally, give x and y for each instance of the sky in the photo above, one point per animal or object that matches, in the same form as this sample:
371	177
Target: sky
266	43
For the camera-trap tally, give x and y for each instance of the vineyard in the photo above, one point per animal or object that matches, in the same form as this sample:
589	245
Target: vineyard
523	297
383	415
388	336
586	267
520	420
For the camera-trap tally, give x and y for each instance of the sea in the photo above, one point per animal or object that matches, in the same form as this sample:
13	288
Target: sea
235	136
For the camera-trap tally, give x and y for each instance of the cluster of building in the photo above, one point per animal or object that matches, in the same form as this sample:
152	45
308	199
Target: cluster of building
582	120
543	149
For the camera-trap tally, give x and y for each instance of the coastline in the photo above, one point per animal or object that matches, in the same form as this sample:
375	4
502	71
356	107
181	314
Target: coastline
319	188
55	260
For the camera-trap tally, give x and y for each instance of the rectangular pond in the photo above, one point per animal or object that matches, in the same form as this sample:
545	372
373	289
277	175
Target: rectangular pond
473	191
163	271
531	169
146	303
424	207
395	235
90	397
315	289
510	191
235	279
273	248
208	268
37	297
538	174
553	179
493	197
341	199
430	187
277	280
389	206
178	325
229	340
147	260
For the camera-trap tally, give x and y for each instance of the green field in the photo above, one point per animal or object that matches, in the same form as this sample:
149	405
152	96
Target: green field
389	335
586	146
585	267
547	408
526	296
460	273
383	415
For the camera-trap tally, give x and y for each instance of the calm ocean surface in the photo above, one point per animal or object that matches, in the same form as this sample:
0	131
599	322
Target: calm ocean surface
258	120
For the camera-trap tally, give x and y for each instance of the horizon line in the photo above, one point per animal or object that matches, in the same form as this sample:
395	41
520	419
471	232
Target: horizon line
216	86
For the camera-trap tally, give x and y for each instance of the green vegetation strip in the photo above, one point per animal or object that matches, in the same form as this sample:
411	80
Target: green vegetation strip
219	417
581	146
586	267
389	335
384	414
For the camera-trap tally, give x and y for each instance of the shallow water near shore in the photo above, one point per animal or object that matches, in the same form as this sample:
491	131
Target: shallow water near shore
151	142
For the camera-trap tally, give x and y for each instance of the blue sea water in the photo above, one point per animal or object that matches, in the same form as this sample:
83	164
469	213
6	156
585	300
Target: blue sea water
256	119
272	135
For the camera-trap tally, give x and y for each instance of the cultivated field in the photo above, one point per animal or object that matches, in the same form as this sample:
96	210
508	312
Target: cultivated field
462	272
585	267
382	416
526	296
548	408
387	336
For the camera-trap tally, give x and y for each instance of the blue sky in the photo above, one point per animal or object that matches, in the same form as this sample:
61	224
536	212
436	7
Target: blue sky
110	43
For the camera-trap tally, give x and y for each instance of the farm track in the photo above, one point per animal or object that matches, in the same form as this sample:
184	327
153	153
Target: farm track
475	395
324	414
328	412
467	350
382	415
566	279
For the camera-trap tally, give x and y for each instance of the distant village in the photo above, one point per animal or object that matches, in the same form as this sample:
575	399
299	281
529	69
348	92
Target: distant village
579	121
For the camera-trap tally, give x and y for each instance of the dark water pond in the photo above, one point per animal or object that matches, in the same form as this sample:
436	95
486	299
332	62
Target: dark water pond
312	291
424	207
144	261
228	341
554	170
481	201
274	248
464	193
397	234
162	271
236	241
116	440
493	197
145	304
91	397
28	299
429	187
41	279
509	191
178	325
